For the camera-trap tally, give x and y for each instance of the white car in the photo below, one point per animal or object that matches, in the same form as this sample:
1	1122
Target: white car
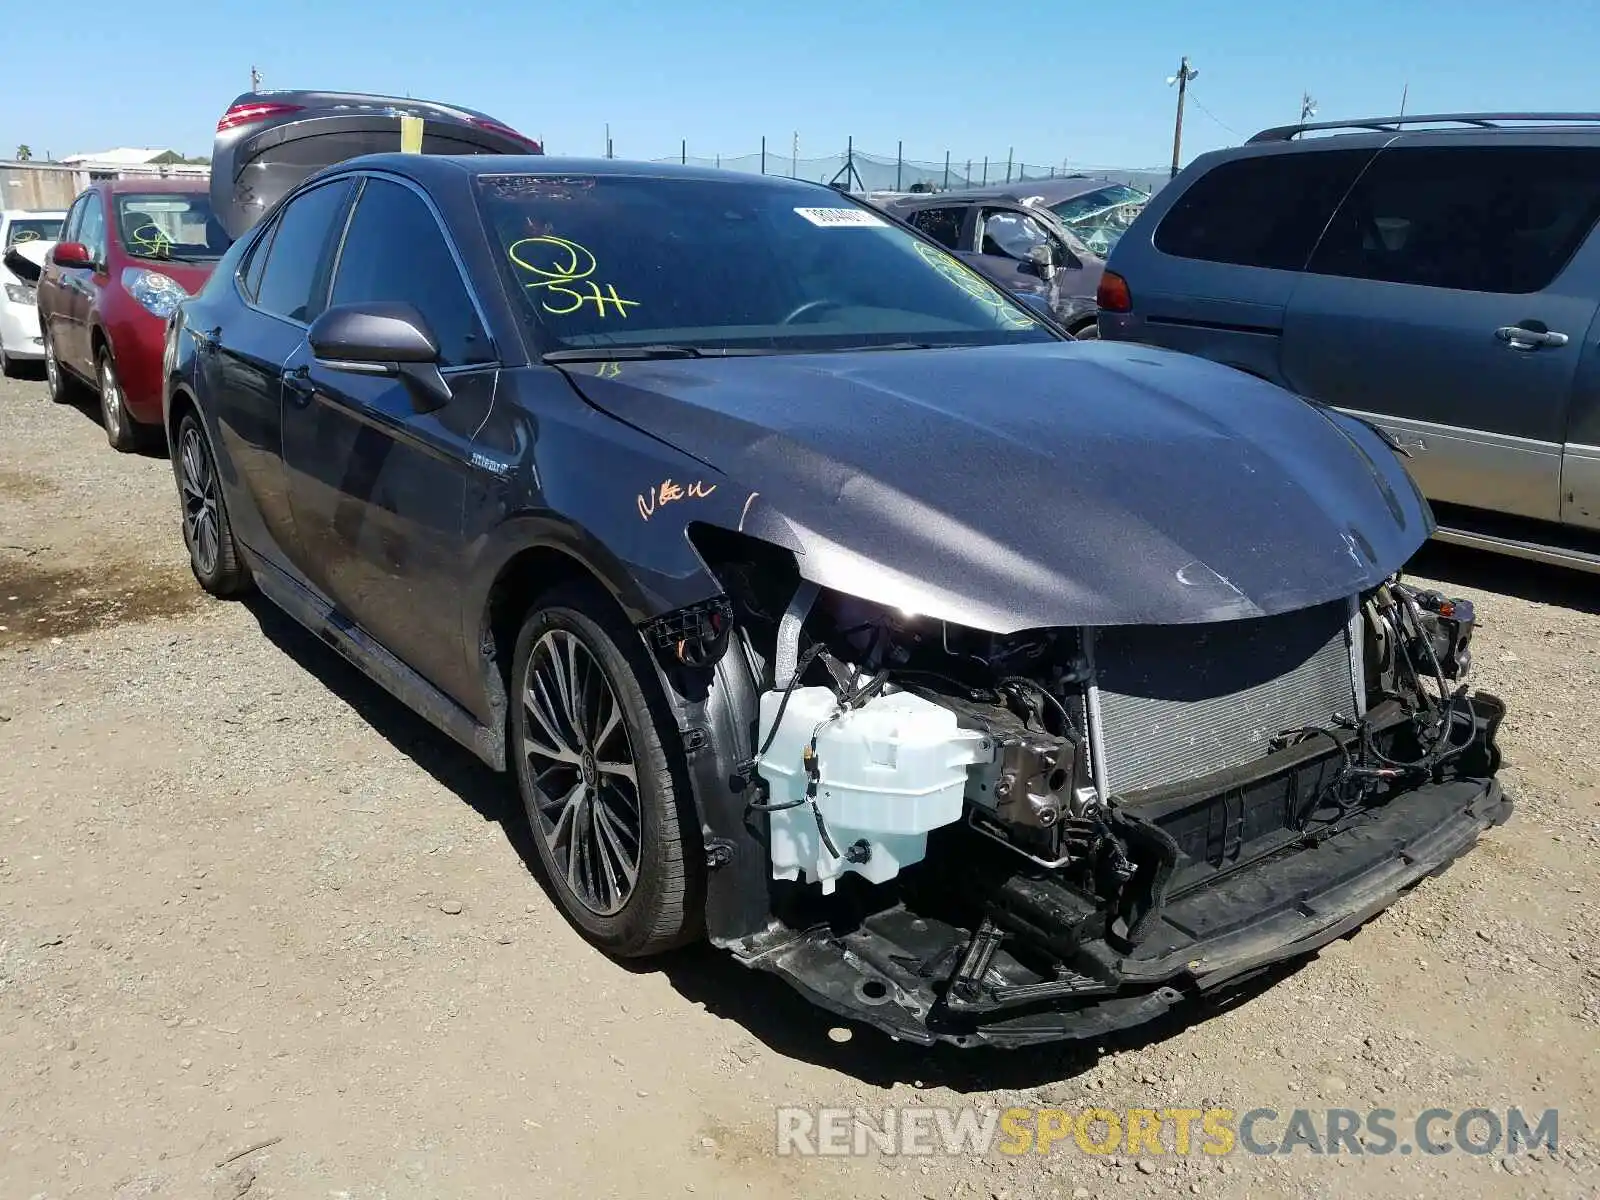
25	238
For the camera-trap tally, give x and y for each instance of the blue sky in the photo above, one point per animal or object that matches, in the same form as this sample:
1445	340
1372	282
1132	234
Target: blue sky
1080	80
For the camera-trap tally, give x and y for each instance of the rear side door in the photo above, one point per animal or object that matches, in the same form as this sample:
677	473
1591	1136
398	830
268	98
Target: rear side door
282	286
1216	275
377	488
1449	301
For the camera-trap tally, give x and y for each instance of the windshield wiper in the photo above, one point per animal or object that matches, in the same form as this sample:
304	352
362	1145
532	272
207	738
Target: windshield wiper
636	353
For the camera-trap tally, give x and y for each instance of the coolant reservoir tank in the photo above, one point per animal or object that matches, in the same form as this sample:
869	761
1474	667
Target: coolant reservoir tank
888	772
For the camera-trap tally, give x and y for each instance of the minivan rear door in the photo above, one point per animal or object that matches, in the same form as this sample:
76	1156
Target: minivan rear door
1226	242
267	142
1442	303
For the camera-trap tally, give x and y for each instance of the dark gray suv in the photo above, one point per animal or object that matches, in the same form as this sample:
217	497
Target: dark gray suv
1437	275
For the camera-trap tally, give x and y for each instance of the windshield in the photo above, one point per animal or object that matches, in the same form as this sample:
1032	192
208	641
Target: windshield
711	265
170	226
1102	216
32	229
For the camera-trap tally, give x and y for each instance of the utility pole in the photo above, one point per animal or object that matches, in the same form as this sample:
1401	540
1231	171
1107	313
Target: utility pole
1308	106
1405	92
255	80
1182	78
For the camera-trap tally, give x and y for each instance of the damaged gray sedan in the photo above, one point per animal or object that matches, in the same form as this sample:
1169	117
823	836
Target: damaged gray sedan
988	687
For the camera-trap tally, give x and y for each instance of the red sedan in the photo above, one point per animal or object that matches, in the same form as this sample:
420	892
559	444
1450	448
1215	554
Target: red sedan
130	250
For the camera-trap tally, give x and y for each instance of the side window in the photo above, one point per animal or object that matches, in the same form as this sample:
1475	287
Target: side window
1264	211
1477	218
396	251
92	229
1008	234
294	280
74	221
250	273
943	225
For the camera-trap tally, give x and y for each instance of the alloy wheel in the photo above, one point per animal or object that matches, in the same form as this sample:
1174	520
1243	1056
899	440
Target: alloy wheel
198	483
583	772
111	401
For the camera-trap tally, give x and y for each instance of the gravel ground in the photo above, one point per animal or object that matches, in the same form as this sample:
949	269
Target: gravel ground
246	898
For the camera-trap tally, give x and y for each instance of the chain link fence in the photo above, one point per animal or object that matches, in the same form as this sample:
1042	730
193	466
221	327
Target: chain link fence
858	170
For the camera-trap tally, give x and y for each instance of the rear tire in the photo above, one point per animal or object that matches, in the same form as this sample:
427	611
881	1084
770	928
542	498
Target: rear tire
213	556
121	429
617	843
62	387
1089	331
8	365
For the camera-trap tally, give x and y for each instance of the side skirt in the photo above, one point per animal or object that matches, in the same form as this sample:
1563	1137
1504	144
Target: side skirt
377	663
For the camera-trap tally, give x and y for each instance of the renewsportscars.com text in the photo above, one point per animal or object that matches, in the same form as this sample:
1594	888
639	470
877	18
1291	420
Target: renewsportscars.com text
930	1130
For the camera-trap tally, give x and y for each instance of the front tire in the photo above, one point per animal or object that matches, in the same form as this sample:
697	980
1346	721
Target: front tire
213	556
614	837
1089	331
121	431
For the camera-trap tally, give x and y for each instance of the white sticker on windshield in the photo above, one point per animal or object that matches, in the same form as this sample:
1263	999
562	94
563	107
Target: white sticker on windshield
840	218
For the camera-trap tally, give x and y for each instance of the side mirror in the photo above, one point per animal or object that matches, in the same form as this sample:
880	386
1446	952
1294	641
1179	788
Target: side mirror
1043	258
71	254
382	338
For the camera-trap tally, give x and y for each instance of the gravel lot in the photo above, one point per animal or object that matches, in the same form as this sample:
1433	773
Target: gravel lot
246	898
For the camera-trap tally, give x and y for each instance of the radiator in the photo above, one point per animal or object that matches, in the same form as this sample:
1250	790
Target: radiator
1180	701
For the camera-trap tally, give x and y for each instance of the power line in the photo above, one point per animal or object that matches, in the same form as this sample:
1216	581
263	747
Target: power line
1198	103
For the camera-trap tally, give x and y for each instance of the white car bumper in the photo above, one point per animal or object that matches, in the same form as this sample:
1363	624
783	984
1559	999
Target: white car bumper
19	329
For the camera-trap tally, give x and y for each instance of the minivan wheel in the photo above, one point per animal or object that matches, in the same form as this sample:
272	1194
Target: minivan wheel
1089	331
611	831
212	554
121	432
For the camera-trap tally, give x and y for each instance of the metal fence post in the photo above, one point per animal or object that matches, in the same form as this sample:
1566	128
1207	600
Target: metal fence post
986	169
947	170
899	162
1010	150
763	154
683	152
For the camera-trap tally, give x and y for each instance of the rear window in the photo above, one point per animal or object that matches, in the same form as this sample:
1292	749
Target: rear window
170	226
1263	211
32	229
1477	218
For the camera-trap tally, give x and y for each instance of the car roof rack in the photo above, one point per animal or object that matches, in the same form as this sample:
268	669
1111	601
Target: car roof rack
1285	133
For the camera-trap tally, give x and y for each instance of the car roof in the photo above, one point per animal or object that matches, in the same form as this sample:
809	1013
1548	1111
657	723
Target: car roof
437	166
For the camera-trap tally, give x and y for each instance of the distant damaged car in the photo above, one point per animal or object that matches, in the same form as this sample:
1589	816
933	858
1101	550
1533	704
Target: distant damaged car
824	602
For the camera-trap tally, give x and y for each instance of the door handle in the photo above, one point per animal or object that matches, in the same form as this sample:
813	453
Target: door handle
1530	335
297	386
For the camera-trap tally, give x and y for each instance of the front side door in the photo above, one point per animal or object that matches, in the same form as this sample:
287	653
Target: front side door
53	282
1003	241
281	287
79	287
1441	302
377	488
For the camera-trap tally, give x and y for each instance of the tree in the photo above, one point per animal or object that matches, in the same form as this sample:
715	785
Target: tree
24	152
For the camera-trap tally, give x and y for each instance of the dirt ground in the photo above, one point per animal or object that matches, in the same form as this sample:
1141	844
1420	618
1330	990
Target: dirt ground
247	898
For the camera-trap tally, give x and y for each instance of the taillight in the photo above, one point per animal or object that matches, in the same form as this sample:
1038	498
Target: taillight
1113	295
249	114
506	131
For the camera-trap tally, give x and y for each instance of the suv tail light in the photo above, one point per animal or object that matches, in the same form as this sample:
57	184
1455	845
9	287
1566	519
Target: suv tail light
506	131
1113	296
249	114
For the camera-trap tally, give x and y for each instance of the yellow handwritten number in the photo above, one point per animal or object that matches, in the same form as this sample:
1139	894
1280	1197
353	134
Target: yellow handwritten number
668	492
560	263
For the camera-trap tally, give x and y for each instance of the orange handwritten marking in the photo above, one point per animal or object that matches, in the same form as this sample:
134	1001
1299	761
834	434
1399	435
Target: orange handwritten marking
668	492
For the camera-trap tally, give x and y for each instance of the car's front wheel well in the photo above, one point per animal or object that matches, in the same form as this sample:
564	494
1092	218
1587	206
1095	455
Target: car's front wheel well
181	404
526	576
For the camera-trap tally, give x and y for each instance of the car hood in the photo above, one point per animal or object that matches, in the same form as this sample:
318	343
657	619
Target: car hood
1021	487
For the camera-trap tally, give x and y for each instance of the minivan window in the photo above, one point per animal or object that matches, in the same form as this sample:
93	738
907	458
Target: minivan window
295	279
1477	218
395	251
1263	211
92	229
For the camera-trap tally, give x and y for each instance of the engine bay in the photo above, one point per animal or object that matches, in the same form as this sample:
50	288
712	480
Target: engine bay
981	825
